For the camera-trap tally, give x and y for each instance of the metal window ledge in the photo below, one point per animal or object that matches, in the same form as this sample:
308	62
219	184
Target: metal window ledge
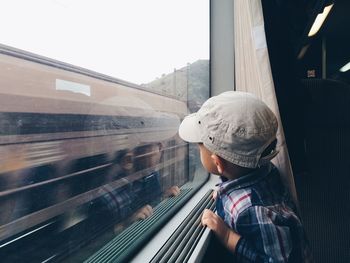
149	251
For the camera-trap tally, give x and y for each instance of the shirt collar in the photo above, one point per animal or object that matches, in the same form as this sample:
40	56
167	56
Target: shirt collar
246	180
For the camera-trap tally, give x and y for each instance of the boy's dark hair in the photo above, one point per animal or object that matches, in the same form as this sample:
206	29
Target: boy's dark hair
269	149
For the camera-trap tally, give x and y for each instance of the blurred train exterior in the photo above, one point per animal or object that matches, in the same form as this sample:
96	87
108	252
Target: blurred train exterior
60	133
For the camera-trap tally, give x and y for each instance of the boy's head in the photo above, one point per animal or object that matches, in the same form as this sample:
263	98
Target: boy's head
235	126
125	159
148	155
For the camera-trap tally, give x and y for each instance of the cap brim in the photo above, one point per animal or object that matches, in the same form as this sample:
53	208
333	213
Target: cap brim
190	129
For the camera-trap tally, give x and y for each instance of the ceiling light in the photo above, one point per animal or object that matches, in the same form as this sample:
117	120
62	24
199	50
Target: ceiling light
319	20
345	68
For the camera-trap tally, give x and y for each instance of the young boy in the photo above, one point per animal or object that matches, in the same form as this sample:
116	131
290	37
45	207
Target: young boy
257	220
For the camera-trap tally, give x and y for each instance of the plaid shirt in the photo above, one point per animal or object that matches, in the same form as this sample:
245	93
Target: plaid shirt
121	202
260	210
118	203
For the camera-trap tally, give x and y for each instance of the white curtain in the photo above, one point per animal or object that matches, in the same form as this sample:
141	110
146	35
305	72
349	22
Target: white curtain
253	72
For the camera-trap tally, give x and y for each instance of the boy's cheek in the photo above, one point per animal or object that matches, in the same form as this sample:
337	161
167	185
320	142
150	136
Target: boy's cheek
211	168
128	166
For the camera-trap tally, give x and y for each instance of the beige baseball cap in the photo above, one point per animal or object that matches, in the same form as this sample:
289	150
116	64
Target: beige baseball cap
236	126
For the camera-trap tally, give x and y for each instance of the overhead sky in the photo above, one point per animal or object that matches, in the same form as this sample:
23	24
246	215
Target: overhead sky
133	40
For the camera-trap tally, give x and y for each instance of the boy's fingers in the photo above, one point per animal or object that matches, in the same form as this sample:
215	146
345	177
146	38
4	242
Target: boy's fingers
139	216
208	213
148	210
143	212
172	191
215	194
207	218
175	190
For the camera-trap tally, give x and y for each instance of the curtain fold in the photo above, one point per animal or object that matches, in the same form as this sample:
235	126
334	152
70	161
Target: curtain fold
253	73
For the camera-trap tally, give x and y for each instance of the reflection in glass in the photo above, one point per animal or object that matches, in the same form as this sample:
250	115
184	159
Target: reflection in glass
84	157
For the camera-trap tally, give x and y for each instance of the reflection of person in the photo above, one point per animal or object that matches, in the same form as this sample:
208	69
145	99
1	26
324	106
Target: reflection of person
118	204
257	220
147	157
134	200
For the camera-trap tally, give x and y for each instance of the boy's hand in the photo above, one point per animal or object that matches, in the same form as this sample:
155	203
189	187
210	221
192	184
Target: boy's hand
226	235
214	195
172	191
143	213
215	223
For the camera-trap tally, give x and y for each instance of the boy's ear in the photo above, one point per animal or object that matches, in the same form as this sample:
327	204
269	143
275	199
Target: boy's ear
218	163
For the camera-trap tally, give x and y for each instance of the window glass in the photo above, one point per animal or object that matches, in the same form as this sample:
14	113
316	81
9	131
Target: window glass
91	97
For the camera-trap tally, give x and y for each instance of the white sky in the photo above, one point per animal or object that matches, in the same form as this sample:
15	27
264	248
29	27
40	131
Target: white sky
134	40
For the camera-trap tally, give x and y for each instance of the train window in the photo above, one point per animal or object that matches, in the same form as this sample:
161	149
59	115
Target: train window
91	96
